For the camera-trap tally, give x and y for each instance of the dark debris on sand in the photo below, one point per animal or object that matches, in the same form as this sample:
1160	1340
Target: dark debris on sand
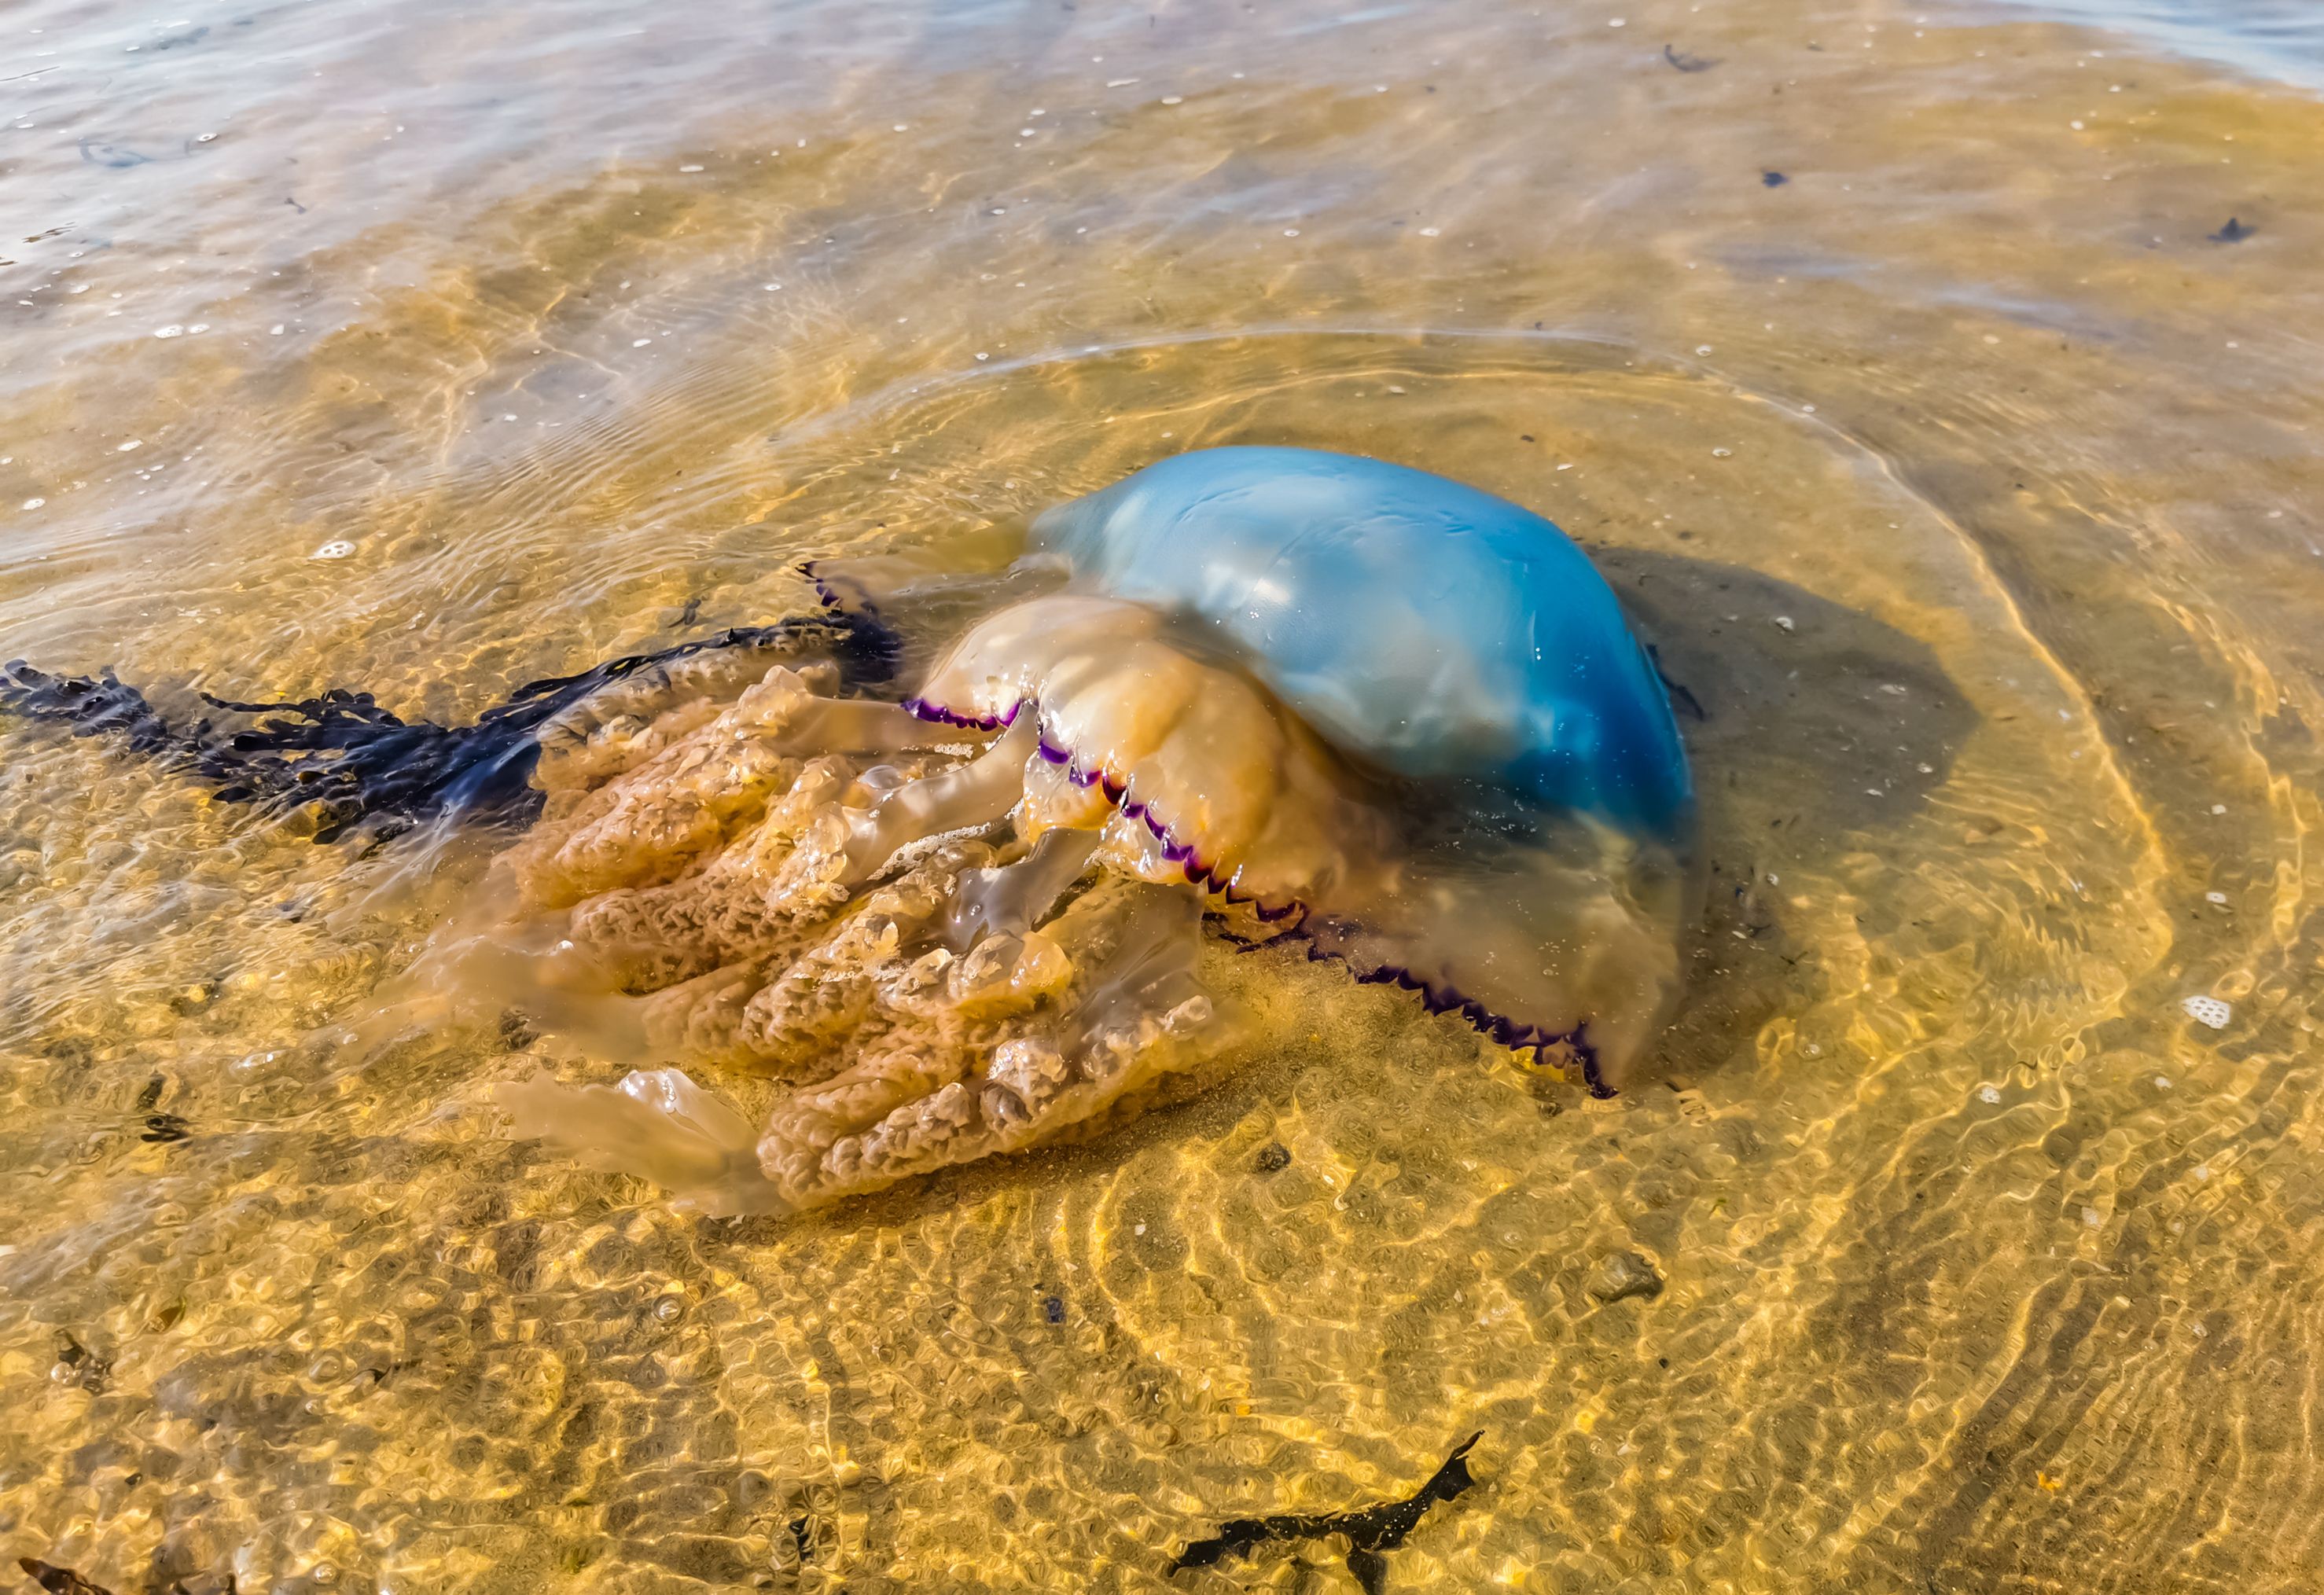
1371	1530
359	769
59	1580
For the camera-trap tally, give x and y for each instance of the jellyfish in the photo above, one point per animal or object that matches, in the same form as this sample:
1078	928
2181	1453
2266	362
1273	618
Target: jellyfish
949	892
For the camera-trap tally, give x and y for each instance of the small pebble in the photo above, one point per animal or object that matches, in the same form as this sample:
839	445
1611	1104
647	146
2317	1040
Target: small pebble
1053	1308
1272	1157
1623	1275
34	503
2215	897
1991	1093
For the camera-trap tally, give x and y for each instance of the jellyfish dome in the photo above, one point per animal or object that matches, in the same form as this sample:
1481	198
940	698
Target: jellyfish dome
1411	619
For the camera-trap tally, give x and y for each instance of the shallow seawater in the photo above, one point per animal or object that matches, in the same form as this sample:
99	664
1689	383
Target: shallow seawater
1901	367
2283	39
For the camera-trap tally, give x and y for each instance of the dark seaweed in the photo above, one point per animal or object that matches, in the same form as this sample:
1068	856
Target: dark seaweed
59	1580
1688	63
358	767
2234	231
1685	702
1371	1530
164	1129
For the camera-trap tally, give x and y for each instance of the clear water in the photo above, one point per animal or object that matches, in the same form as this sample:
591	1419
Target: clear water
1975	485
2278	39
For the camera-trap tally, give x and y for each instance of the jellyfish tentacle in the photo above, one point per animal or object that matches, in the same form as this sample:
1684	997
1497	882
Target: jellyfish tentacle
1121	958
653	819
657	1124
656	936
855	839
1016	897
977	793
813	1002
622	724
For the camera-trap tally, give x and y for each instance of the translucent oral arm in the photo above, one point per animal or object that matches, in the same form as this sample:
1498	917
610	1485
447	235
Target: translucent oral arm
978	793
657	1124
1017	897
805	724
624	723
912	1105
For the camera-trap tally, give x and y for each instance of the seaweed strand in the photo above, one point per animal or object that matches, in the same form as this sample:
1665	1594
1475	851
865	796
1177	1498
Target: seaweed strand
358	767
1371	1530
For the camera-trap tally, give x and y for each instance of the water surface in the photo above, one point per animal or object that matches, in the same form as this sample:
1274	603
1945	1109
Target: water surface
1896	364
